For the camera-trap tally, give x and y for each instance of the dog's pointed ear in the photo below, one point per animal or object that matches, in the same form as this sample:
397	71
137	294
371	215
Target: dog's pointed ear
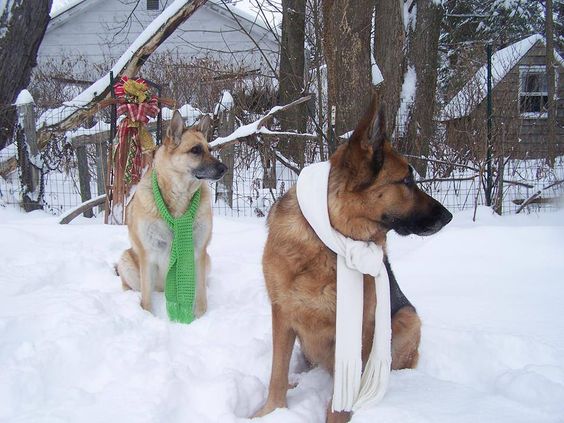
361	136
175	129
204	125
378	136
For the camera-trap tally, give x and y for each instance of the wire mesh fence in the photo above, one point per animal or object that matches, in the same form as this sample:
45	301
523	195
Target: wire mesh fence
456	179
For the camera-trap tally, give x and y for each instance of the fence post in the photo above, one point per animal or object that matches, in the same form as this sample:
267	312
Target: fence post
225	127
29	159
84	177
101	169
500	172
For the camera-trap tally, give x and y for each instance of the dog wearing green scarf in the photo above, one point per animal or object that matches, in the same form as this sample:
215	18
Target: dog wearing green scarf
169	220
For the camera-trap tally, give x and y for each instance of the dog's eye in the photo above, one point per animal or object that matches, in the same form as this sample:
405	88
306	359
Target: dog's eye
196	149
408	180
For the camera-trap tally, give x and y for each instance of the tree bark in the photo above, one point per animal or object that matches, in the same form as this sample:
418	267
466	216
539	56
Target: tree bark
423	55
22	27
347	28
291	78
389	42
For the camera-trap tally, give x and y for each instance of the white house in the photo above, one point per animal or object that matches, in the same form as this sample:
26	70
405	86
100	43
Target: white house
99	31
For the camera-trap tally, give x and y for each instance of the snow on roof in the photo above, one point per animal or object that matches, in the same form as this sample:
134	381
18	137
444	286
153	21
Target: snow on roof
475	90
252	11
61	6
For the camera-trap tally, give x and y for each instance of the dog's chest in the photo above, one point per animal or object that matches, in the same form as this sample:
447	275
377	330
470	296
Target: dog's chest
157	237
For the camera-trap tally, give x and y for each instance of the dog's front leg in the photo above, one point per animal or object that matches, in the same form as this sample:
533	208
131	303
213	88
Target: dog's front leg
148	271
337	416
202	265
283	338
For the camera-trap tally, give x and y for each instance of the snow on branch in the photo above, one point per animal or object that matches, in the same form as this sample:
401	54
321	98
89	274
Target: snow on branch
258	126
72	112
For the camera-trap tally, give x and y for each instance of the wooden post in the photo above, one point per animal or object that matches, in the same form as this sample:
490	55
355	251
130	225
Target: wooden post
500	171
101	168
227	154
84	177
29	159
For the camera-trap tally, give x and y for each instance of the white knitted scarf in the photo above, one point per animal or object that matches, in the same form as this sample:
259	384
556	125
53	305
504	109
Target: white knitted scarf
353	388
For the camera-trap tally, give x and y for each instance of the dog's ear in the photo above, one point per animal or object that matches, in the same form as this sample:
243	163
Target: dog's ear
204	125
377	136
175	129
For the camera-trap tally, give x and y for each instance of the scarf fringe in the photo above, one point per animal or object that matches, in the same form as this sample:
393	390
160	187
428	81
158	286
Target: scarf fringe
178	312
346	383
375	380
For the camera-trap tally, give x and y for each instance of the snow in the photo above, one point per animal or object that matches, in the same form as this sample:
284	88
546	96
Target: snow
225	103
75	347
24	97
376	73
6	7
245	130
407	97
475	90
61	6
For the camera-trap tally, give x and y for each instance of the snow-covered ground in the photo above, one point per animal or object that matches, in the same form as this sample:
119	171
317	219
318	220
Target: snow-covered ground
75	348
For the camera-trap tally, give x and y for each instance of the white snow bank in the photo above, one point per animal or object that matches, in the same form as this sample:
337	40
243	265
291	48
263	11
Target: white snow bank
76	348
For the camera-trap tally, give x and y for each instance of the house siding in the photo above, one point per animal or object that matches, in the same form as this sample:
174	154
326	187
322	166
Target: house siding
90	30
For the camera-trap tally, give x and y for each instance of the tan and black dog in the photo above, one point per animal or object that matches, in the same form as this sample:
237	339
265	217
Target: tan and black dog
371	191
183	164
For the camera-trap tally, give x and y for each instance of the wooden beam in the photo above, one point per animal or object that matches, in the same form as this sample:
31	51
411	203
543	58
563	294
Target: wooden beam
82	208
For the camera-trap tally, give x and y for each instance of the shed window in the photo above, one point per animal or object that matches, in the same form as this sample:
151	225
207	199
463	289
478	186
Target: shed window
533	92
152	4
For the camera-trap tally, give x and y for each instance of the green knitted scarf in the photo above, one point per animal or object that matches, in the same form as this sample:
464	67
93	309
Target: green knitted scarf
180	286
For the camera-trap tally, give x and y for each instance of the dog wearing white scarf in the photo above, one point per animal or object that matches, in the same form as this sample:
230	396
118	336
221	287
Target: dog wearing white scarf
370	191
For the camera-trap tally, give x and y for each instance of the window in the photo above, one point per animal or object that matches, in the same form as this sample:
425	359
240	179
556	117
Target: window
152	4
533	92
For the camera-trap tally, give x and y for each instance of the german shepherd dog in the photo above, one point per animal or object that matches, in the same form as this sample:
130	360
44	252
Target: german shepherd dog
183	164
371	191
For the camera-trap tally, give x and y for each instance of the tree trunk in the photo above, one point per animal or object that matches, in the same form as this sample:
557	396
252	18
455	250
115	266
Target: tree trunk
423	44
291	79
292	63
22	26
346	42
389	42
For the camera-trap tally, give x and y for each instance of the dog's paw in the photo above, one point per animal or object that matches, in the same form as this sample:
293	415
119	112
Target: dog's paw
146	305
268	408
200	308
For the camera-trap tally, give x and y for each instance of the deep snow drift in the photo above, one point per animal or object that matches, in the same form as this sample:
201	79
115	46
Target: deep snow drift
75	348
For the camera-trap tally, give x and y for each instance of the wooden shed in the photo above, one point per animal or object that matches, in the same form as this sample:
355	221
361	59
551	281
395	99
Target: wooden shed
519	99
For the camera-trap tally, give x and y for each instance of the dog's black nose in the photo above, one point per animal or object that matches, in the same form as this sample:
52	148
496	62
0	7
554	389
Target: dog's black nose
221	168
446	216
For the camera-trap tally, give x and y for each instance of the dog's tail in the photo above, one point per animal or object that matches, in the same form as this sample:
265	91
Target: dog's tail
397	298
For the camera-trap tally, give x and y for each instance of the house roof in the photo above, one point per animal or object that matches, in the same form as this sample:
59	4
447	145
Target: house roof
243	11
475	90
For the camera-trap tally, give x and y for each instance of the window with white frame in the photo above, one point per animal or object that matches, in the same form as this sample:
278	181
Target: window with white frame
152	4
533	91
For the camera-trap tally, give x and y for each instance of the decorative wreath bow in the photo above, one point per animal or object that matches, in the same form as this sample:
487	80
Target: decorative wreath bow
137	105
